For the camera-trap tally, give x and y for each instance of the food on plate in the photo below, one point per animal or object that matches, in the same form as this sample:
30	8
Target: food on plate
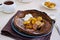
29	24
50	4
37	24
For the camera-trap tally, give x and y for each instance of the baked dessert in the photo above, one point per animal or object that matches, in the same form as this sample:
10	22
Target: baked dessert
37	25
50	4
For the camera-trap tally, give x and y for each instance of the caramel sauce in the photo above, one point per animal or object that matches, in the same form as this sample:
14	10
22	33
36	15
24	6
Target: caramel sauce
8	2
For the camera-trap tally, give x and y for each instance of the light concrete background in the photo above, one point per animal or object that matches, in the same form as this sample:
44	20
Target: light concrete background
35	4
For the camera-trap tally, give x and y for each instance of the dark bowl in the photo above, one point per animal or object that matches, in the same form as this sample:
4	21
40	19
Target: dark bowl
21	14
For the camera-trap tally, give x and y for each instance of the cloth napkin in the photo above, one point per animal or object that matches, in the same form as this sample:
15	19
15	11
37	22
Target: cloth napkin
7	31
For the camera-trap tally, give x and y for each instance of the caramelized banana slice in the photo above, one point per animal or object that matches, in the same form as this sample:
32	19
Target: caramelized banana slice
33	20
47	3
26	22
50	4
42	24
39	18
38	22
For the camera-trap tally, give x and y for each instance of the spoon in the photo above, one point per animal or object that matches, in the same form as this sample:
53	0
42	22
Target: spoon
55	25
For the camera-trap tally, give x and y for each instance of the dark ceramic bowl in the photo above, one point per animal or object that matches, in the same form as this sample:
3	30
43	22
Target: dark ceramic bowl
22	14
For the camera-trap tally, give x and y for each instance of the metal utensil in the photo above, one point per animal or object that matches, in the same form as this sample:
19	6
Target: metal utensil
56	26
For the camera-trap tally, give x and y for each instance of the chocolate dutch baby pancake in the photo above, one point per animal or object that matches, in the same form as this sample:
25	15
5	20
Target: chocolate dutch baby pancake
33	22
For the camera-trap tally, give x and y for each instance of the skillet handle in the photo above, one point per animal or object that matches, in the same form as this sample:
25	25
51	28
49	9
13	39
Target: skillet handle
53	21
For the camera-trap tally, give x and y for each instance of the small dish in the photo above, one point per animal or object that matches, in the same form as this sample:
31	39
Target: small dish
50	5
